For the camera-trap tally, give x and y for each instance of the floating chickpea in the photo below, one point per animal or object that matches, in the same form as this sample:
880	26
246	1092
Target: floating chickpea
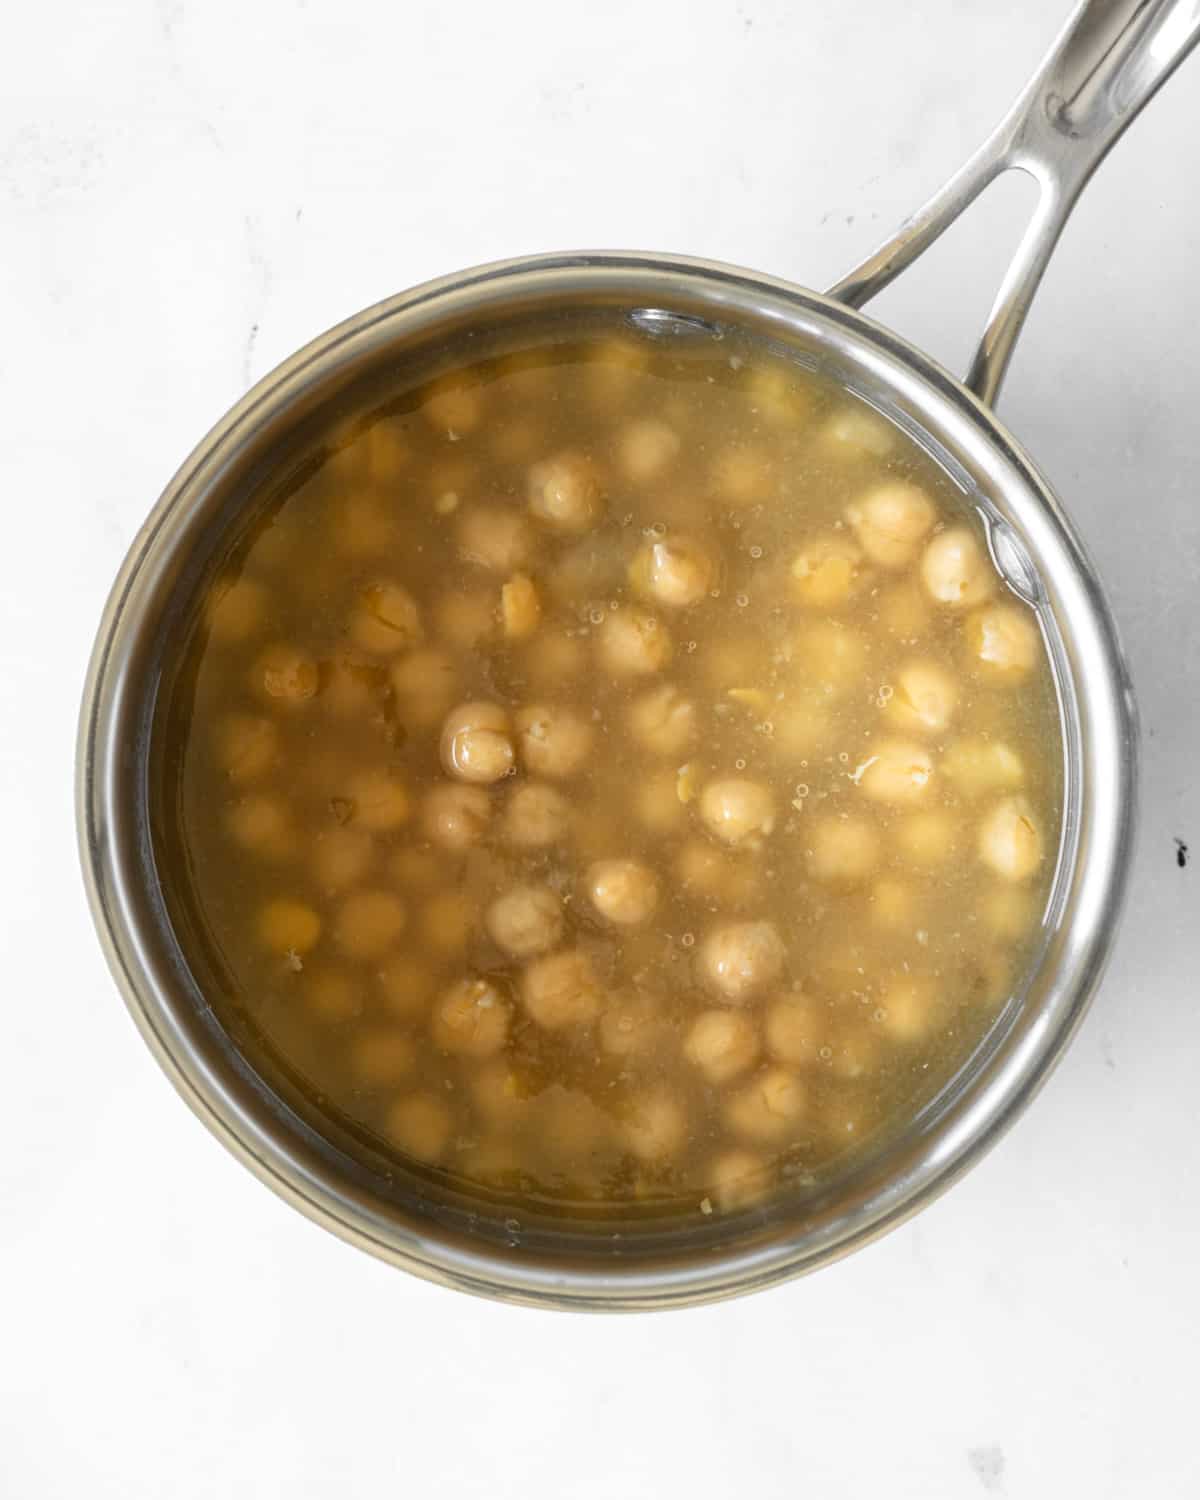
662	720
675	571
743	476
494	537
471	1018
287	674
378	800
247	748
520	608
369	923
890	522
738	811
453	407
633	643
406	984
455	817
476	742
827	572
654	1125
262	825
795	1030
735	1179
955	570
842	849
631	1025
383	1055
289	927
896	772
742	958
908	1007
387	619
1010	842
854	430
768	1107
536	816
1004	639
623	891
561	990
331	995
722	1044
236	609
927	838
425	682
525	920
564	493
554	741
420	1125
464	617
893	904
924	698
976	766
646	448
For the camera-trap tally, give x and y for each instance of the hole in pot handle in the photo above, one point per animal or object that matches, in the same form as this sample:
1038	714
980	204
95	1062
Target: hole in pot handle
1109	60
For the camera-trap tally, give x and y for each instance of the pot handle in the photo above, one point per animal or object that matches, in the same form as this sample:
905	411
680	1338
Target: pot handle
1109	60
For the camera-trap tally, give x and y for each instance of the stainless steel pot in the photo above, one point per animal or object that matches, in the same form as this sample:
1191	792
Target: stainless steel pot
1110	59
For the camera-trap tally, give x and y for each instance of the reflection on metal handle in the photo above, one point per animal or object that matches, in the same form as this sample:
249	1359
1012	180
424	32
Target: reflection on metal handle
1110	59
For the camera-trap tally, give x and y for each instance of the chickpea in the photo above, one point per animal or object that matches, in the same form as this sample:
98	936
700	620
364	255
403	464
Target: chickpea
722	1044
647	448
663	721
554	741
331	995
236	609
633	643
855	430
979	766
890	522
924	698
631	1026
262	825
287	674
908	1007
743	476
842	849
927	838
623	891
368	923
797	729
288	927
676	571
407	985
477	742
520	608
564	493
425	682
497	1093
655	1126
561	990
893	904
420	1125
446	921
536	817
451	406
387	619
896	772
464	618
349	687
247	748
717	876
735	1179
527	919
1010	842
769	1106
955	570
741	958
456	816
383	1055
379	799
827	572
362	525
471	1019
795	1030
832	658
498	539
417	869
738	811
1004	639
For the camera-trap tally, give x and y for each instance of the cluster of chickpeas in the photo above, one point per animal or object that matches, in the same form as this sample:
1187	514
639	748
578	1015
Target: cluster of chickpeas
592	802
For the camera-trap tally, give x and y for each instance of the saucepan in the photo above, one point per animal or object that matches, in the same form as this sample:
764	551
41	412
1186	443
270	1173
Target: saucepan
1109	60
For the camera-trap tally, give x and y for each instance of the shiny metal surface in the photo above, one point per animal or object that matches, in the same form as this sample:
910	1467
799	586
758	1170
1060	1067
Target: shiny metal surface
1032	540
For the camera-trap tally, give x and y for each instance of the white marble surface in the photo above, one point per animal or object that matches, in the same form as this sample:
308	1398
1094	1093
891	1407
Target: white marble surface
190	190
